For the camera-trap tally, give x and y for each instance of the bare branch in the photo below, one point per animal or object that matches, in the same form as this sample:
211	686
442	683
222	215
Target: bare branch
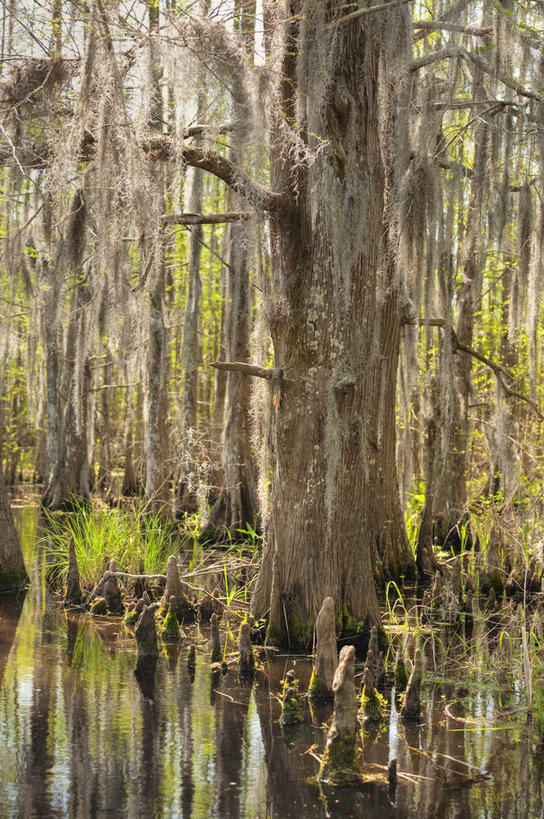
479	62
162	148
199	130
500	372
349	18
442	25
435	57
205	218
244	369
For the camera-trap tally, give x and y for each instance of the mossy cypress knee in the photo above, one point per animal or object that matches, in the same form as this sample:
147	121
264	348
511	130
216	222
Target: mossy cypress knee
131	617
371	701
170	629
184	609
99	606
112	592
291	712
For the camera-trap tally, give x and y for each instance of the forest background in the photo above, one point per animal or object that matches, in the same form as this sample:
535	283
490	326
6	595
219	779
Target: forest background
279	267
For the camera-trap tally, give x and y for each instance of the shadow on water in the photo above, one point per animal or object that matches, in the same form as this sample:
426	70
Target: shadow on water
87	731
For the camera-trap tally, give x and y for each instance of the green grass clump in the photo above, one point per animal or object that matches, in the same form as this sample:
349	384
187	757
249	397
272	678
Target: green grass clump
135	536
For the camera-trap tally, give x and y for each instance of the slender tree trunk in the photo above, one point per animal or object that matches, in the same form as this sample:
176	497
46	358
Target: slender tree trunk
49	282
451	505
158	467
12	568
70	476
130	485
104	469
186	496
237	503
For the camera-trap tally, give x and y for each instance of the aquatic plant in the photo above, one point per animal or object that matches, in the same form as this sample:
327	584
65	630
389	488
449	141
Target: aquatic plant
133	536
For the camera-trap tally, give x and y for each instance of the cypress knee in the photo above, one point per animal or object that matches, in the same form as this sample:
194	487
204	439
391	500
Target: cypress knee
73	589
326	656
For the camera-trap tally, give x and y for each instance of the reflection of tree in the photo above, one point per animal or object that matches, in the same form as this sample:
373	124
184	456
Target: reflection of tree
288	792
34	794
186	730
231	716
83	780
72	625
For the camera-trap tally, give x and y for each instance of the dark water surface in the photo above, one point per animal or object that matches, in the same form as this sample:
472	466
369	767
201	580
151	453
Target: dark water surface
82	736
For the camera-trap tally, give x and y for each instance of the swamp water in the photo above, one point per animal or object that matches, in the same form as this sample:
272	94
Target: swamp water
81	735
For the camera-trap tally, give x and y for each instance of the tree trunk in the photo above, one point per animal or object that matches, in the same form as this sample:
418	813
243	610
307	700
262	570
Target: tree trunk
451	505
130	483
12	568
186	496
237	503
335	324
158	468
70	476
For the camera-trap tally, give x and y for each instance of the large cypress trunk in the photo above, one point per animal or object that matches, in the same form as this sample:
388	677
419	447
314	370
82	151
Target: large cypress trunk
335	322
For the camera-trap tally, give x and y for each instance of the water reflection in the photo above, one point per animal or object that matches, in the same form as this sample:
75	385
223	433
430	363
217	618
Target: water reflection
87	731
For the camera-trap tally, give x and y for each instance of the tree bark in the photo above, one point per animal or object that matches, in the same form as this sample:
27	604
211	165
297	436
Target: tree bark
335	325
